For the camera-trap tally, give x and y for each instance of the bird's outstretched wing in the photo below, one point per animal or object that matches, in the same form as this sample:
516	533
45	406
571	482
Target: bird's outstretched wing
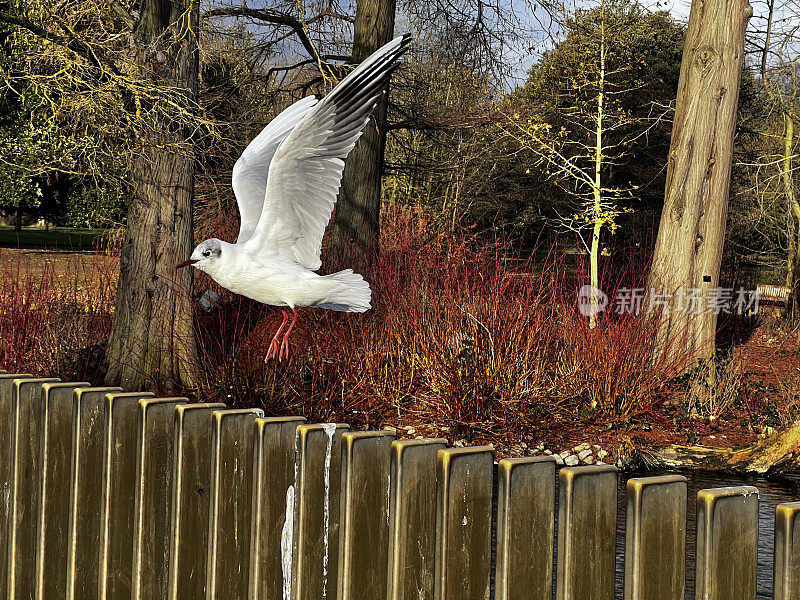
251	169
305	174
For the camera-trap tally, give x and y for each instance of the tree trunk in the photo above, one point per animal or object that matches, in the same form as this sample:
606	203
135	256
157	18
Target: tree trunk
772	455
152	338
356	226
688	250
597	187
18	220
787	178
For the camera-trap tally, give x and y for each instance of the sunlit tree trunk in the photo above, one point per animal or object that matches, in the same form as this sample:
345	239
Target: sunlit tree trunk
152	339
688	250
787	180
775	96
597	189
356	227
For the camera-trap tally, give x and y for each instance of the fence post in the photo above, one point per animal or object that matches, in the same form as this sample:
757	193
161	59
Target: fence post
120	414
364	509
727	543
655	538
7	391
412	515
154	447
86	468
191	494
53	509
787	552
587	531
464	523
273	480
316	515
26	473
525	526
232	446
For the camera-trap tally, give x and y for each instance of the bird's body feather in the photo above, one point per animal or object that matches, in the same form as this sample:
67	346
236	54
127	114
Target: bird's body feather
279	281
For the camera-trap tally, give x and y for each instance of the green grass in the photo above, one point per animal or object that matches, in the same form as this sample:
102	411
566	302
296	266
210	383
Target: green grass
56	238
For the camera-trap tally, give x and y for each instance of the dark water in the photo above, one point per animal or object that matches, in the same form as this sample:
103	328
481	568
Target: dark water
772	493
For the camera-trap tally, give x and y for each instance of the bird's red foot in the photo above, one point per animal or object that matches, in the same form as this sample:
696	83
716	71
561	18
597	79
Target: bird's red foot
273	345
284	352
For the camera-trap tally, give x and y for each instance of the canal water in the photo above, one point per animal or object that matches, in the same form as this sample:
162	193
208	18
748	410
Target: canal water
771	493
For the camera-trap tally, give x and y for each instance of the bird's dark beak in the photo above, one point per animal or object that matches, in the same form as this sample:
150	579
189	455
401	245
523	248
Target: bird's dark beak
185	263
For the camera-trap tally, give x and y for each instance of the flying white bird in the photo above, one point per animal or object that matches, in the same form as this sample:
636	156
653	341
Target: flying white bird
285	183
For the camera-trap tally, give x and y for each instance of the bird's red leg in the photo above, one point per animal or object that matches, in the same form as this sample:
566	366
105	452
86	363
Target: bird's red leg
285	343
273	346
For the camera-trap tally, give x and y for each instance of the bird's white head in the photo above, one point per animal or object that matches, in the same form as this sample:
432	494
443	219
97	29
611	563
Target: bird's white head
205	257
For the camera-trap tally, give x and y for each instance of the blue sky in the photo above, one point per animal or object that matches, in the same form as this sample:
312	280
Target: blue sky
521	58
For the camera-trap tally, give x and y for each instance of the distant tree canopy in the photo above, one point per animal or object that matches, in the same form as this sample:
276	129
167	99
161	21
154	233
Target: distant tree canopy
442	146
452	156
764	220
642	52
66	136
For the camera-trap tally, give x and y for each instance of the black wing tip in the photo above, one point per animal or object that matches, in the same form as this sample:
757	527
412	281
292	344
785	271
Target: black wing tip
405	44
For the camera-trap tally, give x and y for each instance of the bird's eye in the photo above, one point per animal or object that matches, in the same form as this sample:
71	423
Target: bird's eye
207	253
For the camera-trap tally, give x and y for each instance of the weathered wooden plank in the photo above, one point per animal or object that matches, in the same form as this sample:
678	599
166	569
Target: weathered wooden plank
232	444
26	472
464	523
787	552
412	523
525	527
364	514
655	538
117	503
86	490
273	479
151	529
191	484
315	538
53	509
587	533
7	391
727	543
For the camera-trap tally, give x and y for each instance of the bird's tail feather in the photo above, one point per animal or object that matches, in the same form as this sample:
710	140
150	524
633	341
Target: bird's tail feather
352	295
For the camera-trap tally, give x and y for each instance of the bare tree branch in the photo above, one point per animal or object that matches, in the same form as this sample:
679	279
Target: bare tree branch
69	41
270	16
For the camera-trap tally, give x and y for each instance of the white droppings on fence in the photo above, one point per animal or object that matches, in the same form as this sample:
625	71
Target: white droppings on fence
330	429
236	506
388	500
287	542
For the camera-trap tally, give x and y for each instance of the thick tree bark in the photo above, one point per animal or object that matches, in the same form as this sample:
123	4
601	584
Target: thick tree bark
152	339
356	226
688	250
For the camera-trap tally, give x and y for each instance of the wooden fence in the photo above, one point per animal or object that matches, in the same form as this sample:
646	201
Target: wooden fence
112	495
